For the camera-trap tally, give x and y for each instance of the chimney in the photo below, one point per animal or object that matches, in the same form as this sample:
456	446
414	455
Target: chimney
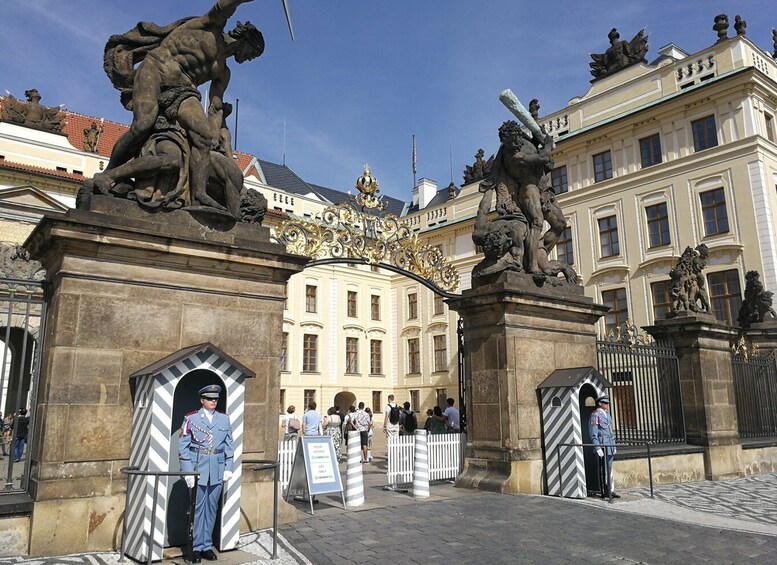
423	192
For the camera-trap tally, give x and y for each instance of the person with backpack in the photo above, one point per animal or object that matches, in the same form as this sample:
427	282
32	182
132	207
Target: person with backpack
408	421
391	418
291	424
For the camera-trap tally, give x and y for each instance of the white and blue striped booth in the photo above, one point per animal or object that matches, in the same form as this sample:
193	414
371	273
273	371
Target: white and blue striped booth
162	394
568	397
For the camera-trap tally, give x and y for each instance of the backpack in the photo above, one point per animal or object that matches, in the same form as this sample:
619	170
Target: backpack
410	422
394	414
294	425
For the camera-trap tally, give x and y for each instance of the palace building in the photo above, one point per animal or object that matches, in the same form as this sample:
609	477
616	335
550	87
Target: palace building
679	151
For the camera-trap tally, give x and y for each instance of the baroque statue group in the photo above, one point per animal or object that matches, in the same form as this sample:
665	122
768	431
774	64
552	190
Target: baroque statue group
176	154
518	180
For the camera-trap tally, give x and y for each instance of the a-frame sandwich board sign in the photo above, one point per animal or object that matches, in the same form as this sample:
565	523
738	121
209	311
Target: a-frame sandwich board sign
315	469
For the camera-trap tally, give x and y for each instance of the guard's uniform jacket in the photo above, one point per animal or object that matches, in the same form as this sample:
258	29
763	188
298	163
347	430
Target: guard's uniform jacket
206	446
601	432
600	428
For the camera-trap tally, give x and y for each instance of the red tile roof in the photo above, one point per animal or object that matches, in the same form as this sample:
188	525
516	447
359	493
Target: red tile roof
5	164
75	124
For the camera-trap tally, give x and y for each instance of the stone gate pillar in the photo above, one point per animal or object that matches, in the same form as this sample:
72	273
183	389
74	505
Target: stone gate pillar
130	288
703	347
515	336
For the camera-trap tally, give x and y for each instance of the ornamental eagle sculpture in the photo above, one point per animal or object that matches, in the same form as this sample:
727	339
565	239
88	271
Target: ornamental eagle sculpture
620	55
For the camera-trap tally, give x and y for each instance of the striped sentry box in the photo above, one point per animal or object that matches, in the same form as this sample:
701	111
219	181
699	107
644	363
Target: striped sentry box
560	397
150	448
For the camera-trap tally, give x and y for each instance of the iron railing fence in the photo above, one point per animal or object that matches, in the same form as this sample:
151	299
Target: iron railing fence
22	327
646	401
755	389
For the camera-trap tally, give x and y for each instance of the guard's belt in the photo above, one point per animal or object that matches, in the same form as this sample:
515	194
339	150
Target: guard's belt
206	451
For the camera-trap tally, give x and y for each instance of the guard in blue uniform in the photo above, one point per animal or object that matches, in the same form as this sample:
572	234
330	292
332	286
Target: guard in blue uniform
205	445
600	428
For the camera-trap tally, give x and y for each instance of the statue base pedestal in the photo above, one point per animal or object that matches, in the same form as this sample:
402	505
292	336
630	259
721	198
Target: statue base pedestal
515	336
128	289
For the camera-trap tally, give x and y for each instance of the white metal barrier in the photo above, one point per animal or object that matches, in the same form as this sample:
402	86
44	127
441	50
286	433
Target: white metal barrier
445	457
286	451
400	459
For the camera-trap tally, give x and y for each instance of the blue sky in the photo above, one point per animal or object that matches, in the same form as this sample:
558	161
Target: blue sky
363	76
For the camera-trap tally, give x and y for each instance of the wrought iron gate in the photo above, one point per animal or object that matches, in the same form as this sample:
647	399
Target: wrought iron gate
645	395
23	315
755	388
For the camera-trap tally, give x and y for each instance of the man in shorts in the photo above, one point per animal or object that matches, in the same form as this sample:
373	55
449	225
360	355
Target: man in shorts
362	422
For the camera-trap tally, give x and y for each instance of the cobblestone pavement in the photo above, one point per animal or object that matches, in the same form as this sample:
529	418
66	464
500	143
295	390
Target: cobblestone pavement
255	543
753	498
684	524
705	522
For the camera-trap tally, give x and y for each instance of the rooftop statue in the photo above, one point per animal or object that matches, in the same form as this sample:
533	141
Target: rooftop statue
520	179
32	113
721	26
175	154
774	43
479	170
620	55
757	303
687	287
740	25
92	137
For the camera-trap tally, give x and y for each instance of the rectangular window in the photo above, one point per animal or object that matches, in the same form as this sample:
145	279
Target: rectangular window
442	397
725	295
619	310
705	135
564	248
351	355
282	401
375	307
377	404
352	299
310	298
662	300
309	353
650	150
713	209
415	401
413	355
439	305
440	353
769	119
412	306
602	166
285	351
658	225
608	236
558	177
309	396
376	357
